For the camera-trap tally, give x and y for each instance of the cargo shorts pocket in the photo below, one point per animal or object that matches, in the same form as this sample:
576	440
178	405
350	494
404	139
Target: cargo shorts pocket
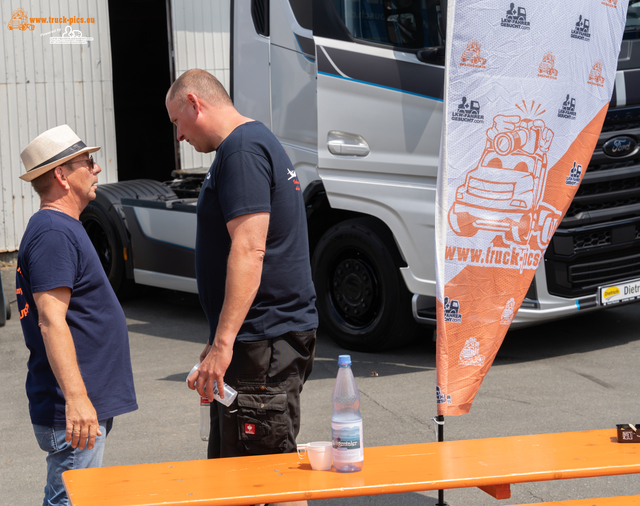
262	422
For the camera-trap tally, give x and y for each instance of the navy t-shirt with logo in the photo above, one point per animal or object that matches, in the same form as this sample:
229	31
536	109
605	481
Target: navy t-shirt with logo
55	252
252	173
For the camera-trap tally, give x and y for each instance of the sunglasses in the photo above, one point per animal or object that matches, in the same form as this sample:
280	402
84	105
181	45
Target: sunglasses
89	161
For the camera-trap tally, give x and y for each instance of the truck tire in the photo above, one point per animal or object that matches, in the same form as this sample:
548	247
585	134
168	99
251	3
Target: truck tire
362	300
462	224
104	236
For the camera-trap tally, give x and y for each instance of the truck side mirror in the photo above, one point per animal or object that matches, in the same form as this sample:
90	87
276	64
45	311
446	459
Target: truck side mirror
434	55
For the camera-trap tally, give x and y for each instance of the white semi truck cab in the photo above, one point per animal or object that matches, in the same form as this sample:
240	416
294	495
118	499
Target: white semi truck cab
354	92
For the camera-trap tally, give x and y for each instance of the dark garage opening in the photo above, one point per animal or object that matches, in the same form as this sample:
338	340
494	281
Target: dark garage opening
142	74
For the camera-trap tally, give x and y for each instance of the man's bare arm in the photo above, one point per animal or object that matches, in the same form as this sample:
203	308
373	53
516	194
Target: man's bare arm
244	271
82	422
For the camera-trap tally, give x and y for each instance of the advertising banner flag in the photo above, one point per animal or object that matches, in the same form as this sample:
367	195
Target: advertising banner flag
527	87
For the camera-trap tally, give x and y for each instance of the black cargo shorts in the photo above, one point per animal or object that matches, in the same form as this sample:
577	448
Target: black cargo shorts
265	416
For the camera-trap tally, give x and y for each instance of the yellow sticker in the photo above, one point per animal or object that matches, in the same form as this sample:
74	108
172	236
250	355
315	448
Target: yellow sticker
611	291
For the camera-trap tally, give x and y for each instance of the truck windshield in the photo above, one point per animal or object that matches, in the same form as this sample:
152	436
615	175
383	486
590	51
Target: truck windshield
632	28
410	24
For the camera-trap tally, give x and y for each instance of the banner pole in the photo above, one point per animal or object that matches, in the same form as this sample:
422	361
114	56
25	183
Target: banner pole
440	423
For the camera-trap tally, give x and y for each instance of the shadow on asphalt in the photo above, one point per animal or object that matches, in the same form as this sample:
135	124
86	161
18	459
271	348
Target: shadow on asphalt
177	315
581	334
409	499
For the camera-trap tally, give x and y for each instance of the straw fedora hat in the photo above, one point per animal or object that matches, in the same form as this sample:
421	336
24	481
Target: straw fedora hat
50	149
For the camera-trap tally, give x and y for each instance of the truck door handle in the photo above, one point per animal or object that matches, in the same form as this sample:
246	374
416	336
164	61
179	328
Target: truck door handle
345	144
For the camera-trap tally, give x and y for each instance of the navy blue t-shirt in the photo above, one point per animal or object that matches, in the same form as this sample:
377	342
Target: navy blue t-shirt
55	252
252	173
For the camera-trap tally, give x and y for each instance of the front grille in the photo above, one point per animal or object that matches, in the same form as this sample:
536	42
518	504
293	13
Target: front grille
580	208
593	240
598	241
599	273
594	167
619	120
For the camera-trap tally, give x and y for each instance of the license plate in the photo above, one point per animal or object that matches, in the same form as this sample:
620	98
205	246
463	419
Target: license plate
620	292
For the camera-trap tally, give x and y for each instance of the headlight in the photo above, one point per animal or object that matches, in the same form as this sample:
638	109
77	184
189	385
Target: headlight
519	203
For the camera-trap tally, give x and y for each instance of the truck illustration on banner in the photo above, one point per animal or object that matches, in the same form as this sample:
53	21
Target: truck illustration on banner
595	76
471	56
504	192
547	66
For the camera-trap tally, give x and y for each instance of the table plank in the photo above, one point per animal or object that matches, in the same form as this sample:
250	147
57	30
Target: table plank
387	469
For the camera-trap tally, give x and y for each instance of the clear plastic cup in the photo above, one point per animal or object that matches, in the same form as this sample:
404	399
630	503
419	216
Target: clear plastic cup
320	454
229	393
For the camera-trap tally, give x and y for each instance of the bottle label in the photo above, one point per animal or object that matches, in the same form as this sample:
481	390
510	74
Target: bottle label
204	401
347	441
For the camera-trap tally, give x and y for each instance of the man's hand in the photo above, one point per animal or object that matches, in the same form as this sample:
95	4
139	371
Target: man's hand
193	377
213	368
82	423
501	124
545	135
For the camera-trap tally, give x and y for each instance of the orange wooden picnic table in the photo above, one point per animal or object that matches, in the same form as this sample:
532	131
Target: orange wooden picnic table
491	464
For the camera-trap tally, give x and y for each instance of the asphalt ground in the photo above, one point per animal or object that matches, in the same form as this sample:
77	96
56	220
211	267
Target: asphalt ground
576	374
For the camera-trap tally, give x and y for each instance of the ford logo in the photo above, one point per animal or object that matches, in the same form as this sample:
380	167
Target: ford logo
620	146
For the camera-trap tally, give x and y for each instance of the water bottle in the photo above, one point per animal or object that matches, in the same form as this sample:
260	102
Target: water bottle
346	422
205	418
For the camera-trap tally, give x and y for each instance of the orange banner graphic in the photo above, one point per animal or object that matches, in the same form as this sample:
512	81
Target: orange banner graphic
522	119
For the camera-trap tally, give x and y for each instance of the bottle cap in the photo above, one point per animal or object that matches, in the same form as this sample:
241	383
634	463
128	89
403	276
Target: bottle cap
344	360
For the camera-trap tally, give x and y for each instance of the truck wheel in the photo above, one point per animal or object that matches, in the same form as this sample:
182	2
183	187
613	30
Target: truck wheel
104	237
362	301
520	232
547	224
462	224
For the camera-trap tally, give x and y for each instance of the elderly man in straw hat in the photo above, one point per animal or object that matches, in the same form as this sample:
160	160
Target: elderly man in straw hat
80	367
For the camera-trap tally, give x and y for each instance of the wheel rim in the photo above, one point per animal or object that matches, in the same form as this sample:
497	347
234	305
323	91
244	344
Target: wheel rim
354	290
521	231
98	236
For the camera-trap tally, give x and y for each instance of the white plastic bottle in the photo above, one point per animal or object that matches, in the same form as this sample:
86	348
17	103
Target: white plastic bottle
346	422
229	393
205	418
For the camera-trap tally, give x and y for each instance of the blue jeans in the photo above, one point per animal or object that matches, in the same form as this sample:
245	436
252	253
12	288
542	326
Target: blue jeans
61	457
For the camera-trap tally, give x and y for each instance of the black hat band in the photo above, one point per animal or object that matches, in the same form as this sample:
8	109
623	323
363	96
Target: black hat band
69	151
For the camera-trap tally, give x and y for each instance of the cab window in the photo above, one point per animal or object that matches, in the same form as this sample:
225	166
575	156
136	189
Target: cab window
408	24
